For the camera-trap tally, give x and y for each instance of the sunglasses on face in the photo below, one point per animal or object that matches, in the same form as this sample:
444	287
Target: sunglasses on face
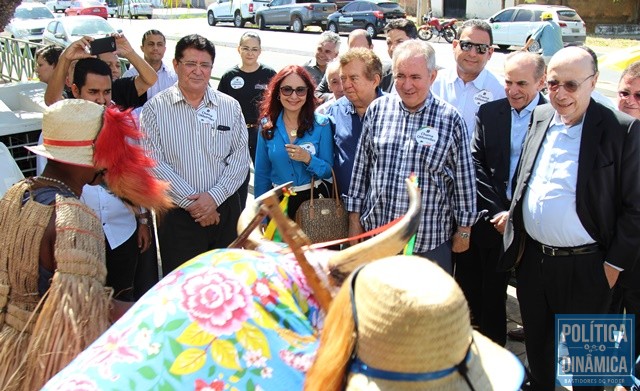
628	95
481	48
570	86
288	90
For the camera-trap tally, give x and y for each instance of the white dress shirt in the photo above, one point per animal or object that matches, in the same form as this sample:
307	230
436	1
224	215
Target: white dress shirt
468	97
118	221
166	78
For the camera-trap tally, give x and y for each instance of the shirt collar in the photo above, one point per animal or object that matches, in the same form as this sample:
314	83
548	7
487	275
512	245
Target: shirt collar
572	131
426	103
210	98
528	109
478	82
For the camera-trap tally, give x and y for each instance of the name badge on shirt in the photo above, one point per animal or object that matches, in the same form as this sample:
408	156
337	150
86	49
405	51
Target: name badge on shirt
309	148
207	116
237	83
483	97
426	136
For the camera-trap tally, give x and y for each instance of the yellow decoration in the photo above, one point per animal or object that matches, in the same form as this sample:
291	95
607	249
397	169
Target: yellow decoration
225	354
194	335
294	339
189	361
251	338
264	319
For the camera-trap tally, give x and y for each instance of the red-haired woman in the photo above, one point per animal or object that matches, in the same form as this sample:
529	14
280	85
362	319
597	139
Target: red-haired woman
294	143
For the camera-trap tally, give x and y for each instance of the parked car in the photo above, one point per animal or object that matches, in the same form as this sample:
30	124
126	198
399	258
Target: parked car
294	14
87	7
134	9
237	11
514	25
58	5
64	31
112	7
370	15
29	21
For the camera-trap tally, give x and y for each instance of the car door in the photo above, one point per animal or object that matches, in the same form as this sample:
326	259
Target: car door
61	36
500	27
281	12
363	15
345	21
523	26
223	10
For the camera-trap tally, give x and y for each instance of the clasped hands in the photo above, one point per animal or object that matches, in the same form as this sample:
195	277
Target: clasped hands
204	209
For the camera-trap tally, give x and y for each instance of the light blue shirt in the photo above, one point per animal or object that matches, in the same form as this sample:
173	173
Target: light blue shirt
549	209
166	78
467	98
274	166
549	34
519	126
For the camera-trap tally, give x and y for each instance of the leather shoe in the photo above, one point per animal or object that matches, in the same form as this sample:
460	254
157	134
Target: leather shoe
516	334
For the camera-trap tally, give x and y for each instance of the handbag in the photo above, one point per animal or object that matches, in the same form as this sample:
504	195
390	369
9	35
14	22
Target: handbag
323	219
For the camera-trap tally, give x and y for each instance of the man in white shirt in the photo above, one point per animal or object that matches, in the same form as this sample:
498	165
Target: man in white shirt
470	84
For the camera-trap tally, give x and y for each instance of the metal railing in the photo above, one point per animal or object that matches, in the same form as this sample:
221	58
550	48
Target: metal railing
17	59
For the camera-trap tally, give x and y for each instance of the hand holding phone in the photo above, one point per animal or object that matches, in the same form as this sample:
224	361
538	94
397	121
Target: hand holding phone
103	45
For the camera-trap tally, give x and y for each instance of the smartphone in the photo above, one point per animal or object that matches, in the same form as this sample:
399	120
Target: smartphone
103	45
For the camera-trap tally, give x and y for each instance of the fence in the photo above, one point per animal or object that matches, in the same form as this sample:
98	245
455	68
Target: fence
17	59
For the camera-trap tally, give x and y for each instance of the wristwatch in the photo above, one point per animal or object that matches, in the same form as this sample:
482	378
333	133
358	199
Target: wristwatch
143	218
464	235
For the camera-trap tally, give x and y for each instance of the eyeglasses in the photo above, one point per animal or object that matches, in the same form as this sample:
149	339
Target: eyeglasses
627	95
570	86
246	49
481	48
192	65
288	90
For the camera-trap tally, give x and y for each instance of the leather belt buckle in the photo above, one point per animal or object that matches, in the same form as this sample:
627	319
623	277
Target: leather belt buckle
548	250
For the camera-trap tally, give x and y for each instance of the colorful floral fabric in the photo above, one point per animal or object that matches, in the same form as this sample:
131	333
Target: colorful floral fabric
226	320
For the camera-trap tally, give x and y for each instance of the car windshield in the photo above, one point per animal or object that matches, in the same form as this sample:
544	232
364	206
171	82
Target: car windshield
569	16
33	13
91	4
90	27
389	6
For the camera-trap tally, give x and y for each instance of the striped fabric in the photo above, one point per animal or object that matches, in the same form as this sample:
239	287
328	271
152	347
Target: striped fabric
194	154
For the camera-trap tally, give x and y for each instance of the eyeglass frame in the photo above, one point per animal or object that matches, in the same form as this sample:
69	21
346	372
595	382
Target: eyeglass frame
629	95
481	48
554	85
300	91
246	49
192	65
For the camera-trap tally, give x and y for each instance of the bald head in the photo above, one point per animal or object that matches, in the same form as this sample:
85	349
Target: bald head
359	38
571	78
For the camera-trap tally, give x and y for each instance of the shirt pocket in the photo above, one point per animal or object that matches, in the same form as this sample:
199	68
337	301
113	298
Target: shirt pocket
219	142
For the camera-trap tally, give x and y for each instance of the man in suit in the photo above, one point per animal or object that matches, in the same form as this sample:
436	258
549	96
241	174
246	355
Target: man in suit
574	221
501	127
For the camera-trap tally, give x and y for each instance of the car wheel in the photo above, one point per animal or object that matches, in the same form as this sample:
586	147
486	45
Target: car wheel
449	34
333	27
211	19
149	16
261	23
296	24
534	47
135	16
503	47
371	31
237	20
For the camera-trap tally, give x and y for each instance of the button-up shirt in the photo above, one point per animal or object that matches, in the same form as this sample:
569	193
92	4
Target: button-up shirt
166	78
549	208
468	97
195	153
389	151
519	127
118	221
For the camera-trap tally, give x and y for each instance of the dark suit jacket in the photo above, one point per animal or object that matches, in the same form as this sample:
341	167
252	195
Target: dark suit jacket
608	183
491	150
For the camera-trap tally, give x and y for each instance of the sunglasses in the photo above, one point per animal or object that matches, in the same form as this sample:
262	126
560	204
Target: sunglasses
570	86
627	95
288	90
481	48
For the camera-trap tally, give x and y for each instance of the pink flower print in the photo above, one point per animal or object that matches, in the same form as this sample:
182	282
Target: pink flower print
114	348
216	300
75	383
254	358
170	279
299	361
263	291
216	385
266	372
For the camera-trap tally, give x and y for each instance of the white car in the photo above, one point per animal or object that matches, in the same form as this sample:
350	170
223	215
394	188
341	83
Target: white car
29	22
514	25
237	11
63	32
60	5
134	8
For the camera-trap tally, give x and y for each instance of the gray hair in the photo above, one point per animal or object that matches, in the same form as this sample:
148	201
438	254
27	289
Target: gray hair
414	47
535	58
331	37
633	71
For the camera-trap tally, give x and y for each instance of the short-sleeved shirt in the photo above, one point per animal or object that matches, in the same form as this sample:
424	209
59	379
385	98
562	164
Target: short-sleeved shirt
550	36
247	88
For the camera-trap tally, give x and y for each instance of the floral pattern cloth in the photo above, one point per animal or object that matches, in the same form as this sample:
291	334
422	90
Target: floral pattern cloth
228	319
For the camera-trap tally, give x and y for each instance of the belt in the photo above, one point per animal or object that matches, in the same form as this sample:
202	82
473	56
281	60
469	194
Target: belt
304	187
567	251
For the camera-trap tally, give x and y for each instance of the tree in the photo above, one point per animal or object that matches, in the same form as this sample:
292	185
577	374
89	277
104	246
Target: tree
7	8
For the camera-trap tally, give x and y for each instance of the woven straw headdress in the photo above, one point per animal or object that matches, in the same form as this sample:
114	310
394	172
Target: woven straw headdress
414	333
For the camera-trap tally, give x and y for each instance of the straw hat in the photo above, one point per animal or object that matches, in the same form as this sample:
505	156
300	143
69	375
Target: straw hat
69	128
412	318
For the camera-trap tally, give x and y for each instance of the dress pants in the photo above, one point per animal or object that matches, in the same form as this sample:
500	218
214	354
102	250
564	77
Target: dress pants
181	238
484	287
627	299
121	267
441	255
556	285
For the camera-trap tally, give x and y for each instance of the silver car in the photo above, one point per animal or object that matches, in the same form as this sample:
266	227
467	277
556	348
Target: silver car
64	31
29	22
134	8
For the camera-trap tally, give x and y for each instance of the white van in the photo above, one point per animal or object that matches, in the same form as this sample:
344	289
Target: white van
237	11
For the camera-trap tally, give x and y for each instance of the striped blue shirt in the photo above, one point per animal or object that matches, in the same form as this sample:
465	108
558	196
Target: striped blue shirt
389	151
193	154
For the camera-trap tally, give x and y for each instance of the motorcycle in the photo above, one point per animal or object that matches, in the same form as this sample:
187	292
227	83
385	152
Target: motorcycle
432	26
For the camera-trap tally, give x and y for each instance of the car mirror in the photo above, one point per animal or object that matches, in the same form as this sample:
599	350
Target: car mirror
59	35
119	31
490	20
